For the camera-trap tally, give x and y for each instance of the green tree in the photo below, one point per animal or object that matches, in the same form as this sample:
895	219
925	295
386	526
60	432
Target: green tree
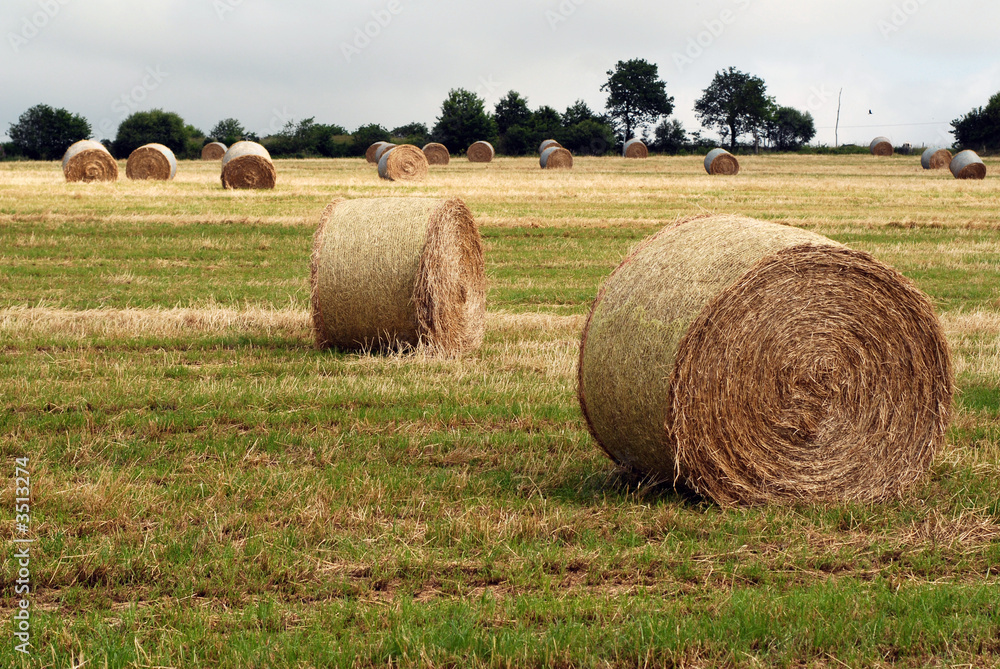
636	96
157	126
510	111
979	129
307	139
463	120
365	136
589	137
788	128
669	136
414	133
228	131
578	112
735	103
44	133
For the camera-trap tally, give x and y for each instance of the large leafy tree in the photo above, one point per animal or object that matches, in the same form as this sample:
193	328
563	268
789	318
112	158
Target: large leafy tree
44	133
512	110
307	139
980	128
144	127
365	136
636	96
228	131
789	129
463	120
735	103
669	136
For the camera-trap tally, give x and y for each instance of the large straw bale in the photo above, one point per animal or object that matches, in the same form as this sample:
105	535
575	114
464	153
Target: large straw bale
214	151
381	149
403	163
248	165
547	144
480	152
436	154
392	273
152	161
556	157
635	148
881	146
935	158
89	161
756	363
967	165
720	161
372	150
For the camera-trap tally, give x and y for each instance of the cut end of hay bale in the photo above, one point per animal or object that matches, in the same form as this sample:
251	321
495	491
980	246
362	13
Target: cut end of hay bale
436	154
214	151
556	157
756	363
403	163
248	165
89	161
547	144
635	148
967	165
393	273
720	161
881	146
152	161
372	150
935	159
480	152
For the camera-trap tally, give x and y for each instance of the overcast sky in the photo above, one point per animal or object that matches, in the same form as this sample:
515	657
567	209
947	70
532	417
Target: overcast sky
915	64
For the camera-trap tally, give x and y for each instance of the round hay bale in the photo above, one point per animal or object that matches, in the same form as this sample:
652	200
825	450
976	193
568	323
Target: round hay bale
754	363
153	161
381	149
967	165
214	151
881	146
403	163
370	152
548	144
480	152
391	273
556	157
635	148
720	161
935	159
436	154
248	165
89	161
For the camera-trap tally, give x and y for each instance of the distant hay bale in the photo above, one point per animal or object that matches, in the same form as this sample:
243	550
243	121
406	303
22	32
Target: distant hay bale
214	151
380	148
635	148
967	165
370	152
403	163
152	161
556	157
935	159
755	363
480	152
248	165
548	144
720	161
436	154
881	146
391	273
89	161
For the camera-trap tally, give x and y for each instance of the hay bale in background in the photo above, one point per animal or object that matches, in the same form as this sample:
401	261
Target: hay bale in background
967	165
381	149
754	363
480	152
436	154
935	159
89	161
152	161
549	143
395	272
720	161
556	157
635	148
881	146
370	152
403	163
248	165
214	151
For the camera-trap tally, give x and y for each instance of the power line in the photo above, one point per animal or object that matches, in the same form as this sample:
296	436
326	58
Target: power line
883	125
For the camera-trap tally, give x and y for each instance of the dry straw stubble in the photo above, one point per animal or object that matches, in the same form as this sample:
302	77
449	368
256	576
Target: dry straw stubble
757	363
881	146
214	151
480	152
403	163
89	161
152	161
967	165
556	157
436	154
248	165
392	273
720	161
635	148
935	159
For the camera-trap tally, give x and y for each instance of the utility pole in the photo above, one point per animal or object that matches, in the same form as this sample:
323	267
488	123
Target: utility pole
836	128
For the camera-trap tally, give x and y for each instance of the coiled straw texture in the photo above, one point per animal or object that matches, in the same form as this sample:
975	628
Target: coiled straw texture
403	163
247	165
152	161
89	161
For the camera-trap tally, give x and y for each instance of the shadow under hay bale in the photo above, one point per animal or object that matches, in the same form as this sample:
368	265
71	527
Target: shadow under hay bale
556	157
248	165
758	363
881	146
436	154
549	143
967	165
214	151
720	161
635	148
153	161
480	152
89	161
403	163
392	273
935	159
